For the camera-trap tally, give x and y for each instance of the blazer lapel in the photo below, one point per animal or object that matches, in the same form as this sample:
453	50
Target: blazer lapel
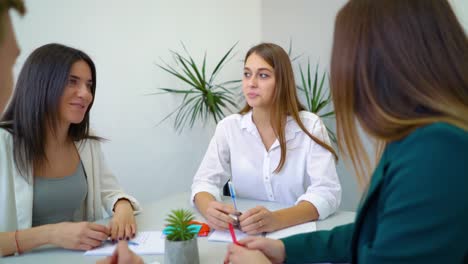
374	187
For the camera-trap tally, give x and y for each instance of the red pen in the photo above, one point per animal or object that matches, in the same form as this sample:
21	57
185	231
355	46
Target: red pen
233	235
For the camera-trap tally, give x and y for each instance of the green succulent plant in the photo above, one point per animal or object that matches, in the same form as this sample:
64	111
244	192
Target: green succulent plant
203	97
179	220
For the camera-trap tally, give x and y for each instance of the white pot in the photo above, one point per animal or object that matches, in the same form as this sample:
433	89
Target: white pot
181	252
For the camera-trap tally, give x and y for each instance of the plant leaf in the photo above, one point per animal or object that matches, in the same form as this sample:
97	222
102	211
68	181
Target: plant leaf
221	62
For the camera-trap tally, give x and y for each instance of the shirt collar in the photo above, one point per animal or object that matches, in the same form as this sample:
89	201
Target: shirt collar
291	126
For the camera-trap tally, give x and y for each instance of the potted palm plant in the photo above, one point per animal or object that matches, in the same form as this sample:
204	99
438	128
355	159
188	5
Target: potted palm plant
181	243
203	96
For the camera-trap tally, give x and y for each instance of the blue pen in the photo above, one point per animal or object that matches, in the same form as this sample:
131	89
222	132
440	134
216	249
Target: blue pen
233	194
132	243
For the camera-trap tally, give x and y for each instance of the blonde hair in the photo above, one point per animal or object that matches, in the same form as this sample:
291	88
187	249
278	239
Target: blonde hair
396	65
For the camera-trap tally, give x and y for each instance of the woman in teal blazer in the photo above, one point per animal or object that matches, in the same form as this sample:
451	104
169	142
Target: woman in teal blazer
400	68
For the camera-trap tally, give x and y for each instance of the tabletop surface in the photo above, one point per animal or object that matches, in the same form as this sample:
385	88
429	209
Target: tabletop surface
152	218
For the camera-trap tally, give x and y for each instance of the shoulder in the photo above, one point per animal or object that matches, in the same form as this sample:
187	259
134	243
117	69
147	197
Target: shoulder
5	136
309	119
312	123
437	137
431	155
230	122
91	143
231	119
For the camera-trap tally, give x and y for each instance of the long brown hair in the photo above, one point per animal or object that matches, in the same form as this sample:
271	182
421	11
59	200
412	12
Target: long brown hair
285	100
396	65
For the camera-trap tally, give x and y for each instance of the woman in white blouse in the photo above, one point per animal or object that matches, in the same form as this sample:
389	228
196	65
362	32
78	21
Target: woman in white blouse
273	150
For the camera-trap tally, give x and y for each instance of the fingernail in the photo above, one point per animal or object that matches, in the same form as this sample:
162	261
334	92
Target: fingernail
128	238
120	238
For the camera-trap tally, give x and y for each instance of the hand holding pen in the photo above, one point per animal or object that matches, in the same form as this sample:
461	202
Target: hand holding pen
232	192
217	214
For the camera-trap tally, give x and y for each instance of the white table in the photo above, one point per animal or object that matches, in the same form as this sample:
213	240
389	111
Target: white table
152	218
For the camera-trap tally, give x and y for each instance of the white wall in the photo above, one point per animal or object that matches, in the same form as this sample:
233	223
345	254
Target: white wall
125	39
309	25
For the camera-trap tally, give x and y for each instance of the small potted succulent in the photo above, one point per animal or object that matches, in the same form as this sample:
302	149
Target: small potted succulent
181	243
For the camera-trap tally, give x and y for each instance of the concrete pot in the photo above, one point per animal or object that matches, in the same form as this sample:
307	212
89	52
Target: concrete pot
181	252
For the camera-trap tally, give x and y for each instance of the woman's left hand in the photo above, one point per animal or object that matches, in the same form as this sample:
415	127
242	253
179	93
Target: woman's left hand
122	226
258	220
238	254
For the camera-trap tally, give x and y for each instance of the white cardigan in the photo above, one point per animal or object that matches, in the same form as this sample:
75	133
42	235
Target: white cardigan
16	194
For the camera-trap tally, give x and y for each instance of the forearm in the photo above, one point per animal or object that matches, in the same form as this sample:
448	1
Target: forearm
202	200
301	213
27	239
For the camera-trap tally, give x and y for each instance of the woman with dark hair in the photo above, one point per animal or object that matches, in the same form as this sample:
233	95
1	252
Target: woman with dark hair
272	150
53	176
399	68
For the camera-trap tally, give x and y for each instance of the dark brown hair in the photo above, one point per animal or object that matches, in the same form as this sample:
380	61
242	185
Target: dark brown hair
285	100
396	65
34	106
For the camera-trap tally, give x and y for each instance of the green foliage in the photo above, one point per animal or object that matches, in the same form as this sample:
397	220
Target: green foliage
317	98
203	98
313	88
179	220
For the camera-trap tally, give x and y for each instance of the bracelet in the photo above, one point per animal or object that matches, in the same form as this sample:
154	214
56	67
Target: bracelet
18	251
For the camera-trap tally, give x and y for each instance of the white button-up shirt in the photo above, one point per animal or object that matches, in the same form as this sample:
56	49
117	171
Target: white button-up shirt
236	151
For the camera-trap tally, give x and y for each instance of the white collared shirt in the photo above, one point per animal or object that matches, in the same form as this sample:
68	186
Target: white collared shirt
236	151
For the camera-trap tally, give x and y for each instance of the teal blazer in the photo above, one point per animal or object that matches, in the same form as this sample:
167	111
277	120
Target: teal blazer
415	211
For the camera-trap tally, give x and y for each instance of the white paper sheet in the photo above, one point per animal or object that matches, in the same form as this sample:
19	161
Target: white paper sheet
293	230
225	236
149	243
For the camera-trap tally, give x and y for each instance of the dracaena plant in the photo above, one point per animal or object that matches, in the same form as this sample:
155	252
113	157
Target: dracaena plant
312	86
179	220
203	97
317	97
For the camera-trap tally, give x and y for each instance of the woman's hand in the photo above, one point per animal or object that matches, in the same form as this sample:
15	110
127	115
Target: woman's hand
238	254
258	220
78	236
217	215
273	249
122	255
122	226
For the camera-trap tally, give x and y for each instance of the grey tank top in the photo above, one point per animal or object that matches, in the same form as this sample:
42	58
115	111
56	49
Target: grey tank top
60	199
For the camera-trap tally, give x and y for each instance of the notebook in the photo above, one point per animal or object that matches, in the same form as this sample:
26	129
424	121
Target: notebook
149	243
225	236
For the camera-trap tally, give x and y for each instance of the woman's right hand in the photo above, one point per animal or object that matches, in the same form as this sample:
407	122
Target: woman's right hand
273	249
78	236
217	215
